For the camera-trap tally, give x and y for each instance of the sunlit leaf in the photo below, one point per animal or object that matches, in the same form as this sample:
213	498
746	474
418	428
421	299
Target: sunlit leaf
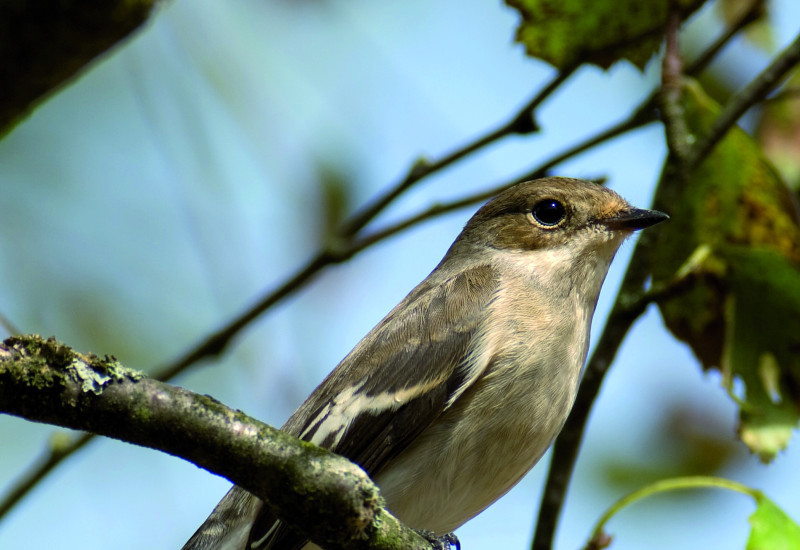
601	32
735	234
771	528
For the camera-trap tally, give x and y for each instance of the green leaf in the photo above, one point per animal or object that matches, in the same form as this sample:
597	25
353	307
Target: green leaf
772	529
735	235
568	32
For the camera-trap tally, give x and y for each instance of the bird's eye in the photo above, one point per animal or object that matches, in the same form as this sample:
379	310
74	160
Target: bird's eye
548	212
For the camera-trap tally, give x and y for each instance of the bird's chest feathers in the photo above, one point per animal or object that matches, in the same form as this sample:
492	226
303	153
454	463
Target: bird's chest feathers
521	401
521	378
542	334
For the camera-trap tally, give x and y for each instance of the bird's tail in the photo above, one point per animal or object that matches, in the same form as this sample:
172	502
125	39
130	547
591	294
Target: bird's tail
228	526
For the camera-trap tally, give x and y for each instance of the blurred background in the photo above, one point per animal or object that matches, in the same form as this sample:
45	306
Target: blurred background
201	163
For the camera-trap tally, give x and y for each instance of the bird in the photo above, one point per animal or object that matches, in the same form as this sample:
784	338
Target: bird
457	393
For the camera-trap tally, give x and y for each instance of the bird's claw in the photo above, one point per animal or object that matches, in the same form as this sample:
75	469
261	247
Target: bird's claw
445	542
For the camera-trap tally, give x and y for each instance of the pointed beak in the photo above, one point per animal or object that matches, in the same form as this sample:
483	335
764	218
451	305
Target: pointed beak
633	219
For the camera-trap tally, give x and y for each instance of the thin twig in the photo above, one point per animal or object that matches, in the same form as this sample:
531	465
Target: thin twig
644	114
8	325
708	55
675	129
42	467
789	93
523	122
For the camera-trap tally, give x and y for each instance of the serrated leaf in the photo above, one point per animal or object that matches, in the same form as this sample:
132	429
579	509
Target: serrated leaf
771	528
568	32
740	311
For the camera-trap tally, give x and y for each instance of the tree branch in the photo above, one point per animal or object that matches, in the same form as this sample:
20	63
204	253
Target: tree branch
319	493
45	44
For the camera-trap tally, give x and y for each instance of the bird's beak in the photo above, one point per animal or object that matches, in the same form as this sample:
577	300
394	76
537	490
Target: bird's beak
633	219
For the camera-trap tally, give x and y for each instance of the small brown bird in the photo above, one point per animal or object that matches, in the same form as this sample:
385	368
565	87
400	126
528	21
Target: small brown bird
455	395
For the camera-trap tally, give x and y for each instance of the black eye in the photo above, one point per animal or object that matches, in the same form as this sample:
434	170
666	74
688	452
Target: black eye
548	212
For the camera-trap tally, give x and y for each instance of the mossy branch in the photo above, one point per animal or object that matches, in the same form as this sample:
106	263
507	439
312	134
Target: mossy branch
321	494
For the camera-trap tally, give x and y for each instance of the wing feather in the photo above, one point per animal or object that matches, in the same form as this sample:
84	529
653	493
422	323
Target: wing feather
406	369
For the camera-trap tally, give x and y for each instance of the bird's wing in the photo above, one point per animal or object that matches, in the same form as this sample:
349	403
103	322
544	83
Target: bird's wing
403	374
407	371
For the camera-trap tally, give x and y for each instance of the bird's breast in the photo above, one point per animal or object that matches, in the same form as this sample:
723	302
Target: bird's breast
497	430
